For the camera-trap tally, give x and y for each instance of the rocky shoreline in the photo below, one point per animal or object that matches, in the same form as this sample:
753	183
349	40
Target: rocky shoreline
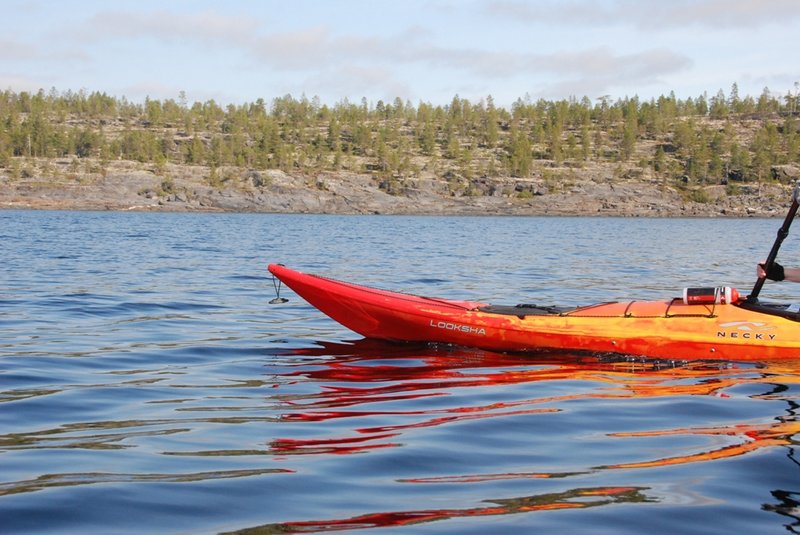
585	194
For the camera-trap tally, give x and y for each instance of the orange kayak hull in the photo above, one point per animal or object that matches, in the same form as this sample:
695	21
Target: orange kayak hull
666	329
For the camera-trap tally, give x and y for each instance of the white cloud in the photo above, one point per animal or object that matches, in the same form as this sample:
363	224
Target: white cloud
650	15
355	81
302	50
206	27
21	83
15	50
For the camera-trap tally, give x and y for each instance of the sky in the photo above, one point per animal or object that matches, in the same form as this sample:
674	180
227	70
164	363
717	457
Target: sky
238	51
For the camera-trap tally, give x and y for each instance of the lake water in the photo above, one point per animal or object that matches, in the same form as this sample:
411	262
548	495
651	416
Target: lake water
148	386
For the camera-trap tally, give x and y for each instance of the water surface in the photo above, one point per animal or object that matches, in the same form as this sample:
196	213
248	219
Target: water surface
146	385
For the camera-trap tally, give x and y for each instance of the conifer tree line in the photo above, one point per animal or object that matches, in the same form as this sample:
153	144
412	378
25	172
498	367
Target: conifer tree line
703	140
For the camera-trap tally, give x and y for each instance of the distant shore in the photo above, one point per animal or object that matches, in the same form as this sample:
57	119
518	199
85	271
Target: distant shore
718	157
588	194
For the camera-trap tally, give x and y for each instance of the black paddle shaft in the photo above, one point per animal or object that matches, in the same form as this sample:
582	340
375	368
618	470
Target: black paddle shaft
773	254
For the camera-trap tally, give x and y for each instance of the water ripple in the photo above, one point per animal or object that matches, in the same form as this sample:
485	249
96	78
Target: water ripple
68	480
145	376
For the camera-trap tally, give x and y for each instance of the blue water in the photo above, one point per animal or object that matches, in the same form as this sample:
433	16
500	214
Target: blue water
147	386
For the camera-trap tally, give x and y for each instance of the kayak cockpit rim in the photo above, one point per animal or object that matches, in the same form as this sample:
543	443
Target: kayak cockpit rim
774	309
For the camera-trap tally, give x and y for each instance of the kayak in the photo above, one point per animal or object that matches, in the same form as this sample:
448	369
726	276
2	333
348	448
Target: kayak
680	328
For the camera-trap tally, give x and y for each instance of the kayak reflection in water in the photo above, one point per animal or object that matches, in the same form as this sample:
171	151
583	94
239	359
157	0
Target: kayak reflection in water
778	273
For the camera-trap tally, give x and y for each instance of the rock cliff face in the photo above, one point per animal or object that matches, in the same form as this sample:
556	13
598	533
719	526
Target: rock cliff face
586	193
